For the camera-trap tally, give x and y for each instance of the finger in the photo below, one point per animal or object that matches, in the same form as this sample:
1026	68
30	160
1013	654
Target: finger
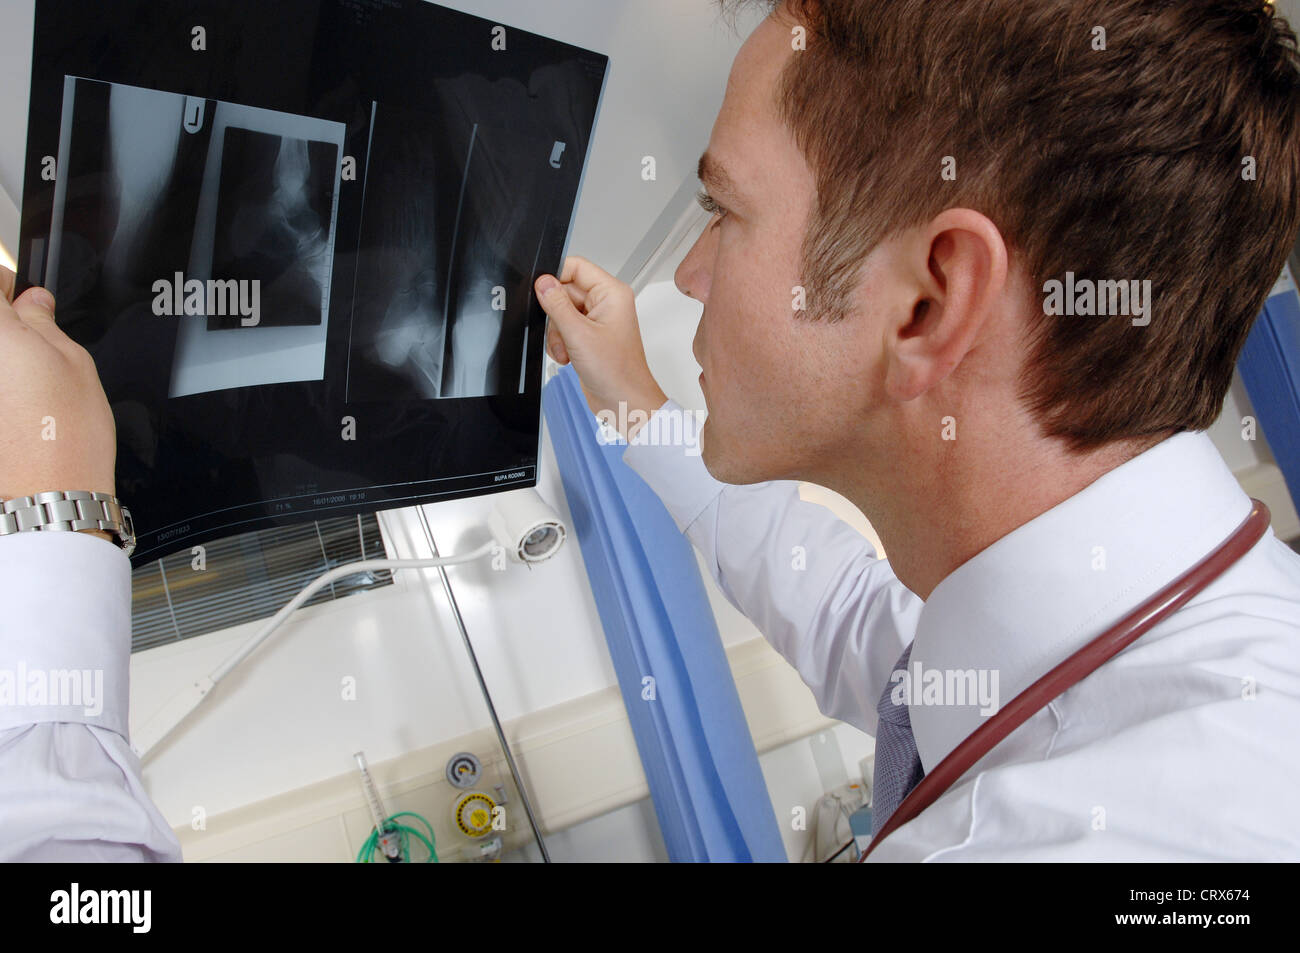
559	307
35	308
555	345
35	304
584	274
7	279
577	296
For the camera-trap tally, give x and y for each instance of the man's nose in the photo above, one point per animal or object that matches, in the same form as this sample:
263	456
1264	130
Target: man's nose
695	273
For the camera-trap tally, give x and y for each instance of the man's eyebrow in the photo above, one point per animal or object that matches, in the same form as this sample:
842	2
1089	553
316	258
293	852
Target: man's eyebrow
715	176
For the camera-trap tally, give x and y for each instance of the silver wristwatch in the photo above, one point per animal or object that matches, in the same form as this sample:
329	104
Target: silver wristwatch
69	510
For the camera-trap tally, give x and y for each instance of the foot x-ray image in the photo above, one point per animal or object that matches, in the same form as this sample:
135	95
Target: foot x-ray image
237	199
275	222
447	256
302	251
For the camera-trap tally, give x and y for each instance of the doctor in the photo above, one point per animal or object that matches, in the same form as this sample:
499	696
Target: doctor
913	178
1033	476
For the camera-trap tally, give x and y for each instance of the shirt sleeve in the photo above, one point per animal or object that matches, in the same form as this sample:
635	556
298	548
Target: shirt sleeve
70	785
813	585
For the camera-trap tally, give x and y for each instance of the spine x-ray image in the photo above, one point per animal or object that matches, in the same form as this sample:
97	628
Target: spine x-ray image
302	256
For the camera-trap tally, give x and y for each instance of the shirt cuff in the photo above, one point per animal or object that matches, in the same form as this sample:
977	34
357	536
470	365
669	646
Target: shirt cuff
65	630
665	453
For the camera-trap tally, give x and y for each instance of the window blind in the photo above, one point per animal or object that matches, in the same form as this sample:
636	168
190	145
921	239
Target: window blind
248	577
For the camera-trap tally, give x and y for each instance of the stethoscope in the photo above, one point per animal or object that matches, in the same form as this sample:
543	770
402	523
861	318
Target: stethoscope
1076	668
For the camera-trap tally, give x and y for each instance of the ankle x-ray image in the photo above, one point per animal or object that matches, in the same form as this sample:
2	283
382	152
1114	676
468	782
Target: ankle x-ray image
302	252
193	190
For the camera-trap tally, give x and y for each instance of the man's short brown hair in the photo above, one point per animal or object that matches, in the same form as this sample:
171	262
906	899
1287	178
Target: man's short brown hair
1114	139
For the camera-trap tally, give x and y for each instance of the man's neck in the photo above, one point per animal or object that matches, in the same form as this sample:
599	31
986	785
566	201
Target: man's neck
934	515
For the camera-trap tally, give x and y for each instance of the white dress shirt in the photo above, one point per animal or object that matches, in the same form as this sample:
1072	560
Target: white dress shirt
70	786
1182	747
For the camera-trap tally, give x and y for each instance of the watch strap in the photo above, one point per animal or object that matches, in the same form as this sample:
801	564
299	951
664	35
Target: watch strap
69	510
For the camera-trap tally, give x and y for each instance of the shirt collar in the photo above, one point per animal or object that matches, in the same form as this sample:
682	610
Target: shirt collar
1041	592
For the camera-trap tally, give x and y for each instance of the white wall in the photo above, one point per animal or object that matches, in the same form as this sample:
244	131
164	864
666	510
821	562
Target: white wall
631	833
15	86
1291	10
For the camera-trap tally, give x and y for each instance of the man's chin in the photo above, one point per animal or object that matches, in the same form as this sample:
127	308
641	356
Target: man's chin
729	467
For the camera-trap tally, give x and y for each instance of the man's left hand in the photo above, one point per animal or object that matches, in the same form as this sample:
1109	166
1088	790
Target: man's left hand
56	428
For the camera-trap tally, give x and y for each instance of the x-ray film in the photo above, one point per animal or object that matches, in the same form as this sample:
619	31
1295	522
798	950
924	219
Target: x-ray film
299	239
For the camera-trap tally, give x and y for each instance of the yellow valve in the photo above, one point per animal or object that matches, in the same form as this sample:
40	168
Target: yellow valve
473	813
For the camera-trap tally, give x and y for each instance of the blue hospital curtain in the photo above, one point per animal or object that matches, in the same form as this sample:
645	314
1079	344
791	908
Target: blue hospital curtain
1270	369
699	758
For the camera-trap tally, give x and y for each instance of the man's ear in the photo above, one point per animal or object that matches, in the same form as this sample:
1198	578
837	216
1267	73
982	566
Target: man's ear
955	268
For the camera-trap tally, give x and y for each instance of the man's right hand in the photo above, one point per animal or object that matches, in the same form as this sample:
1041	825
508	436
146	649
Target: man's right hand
593	325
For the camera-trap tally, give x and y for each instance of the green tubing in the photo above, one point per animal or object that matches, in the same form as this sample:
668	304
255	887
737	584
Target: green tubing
367	853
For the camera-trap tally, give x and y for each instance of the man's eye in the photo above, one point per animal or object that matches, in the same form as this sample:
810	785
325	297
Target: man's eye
709	205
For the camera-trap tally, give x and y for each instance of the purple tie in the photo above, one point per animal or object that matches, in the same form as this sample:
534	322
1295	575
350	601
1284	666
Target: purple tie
898	766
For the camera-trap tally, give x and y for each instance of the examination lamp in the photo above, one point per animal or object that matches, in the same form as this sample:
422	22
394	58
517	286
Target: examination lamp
526	527
521	523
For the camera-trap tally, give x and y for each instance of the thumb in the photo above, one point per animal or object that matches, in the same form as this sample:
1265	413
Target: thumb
35	306
560	307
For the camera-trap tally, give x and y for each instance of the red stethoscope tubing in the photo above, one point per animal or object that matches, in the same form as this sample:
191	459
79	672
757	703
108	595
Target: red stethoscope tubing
1076	668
